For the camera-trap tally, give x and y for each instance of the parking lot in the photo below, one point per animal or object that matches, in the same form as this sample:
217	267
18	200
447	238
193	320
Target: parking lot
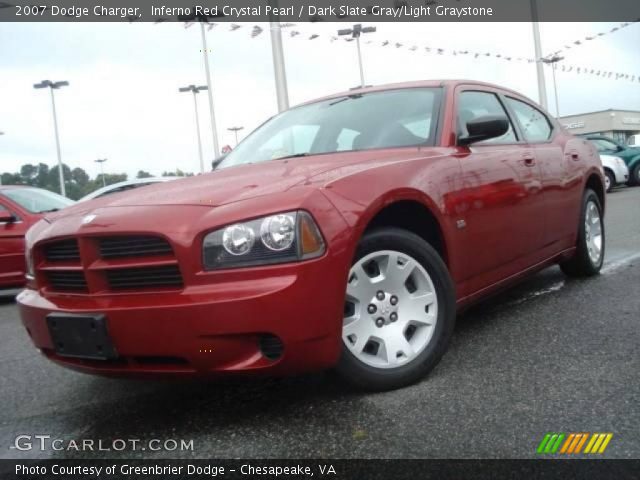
551	355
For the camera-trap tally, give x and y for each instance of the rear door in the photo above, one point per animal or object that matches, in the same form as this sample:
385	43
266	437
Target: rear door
501	204
560	174
12	263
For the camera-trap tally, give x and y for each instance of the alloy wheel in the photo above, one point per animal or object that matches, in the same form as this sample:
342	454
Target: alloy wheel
391	309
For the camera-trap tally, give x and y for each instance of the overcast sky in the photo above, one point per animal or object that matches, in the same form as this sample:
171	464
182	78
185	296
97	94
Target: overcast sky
123	101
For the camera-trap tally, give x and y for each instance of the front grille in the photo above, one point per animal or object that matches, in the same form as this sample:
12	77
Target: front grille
144	277
133	246
67	280
64	250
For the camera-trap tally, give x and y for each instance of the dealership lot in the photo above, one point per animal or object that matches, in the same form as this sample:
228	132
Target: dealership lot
551	355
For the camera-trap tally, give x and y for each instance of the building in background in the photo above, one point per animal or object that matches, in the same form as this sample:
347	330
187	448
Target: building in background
617	124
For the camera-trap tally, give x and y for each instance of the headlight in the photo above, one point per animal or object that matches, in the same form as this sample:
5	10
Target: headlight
285	237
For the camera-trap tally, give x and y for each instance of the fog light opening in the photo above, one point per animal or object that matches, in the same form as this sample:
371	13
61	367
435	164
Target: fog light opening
271	346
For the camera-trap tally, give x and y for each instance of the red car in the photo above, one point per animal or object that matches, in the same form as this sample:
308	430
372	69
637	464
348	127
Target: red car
345	232
20	207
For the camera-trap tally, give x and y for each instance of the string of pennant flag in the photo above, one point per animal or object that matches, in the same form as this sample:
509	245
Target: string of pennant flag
292	32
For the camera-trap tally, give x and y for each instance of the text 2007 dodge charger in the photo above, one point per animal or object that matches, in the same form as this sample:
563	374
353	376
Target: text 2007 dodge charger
344	233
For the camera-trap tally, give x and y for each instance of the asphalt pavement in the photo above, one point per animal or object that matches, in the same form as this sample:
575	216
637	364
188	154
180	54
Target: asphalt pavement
550	355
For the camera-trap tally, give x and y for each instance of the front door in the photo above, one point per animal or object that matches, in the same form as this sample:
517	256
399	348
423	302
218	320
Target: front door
501	202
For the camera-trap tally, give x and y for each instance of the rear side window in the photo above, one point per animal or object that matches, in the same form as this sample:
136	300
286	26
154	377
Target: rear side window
472	105
535	125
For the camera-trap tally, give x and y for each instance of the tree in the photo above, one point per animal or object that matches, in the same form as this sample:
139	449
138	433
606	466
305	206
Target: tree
43	175
177	173
29	174
11	179
53	178
143	174
77	182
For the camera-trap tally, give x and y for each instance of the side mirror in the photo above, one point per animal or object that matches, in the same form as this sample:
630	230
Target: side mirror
619	148
6	216
484	128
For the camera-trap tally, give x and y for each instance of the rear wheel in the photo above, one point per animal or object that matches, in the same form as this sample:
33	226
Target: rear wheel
609	180
589	254
399	311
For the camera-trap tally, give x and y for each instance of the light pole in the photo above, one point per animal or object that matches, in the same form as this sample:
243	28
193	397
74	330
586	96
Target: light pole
214	131
542	88
553	61
282	92
101	162
235	130
202	19
355	32
195	90
54	86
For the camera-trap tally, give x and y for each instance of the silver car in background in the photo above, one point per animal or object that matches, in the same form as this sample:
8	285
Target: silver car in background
616	171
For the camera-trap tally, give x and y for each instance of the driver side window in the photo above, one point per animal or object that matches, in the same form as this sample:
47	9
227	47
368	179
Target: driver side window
473	104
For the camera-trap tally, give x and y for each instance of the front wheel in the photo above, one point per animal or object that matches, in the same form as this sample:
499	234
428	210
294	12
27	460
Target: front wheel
589	254
399	311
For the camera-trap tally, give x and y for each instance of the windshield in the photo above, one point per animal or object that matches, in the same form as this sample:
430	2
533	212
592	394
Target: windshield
603	145
392	118
36	200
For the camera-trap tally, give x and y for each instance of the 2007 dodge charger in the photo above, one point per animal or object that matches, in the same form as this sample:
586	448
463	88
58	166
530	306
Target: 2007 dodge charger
345	232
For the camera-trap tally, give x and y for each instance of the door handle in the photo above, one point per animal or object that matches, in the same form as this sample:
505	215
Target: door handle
529	160
574	155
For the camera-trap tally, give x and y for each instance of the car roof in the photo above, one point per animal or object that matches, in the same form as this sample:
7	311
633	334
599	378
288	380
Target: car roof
11	187
414	84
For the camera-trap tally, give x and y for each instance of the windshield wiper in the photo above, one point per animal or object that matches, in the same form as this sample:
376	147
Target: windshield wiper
49	211
295	155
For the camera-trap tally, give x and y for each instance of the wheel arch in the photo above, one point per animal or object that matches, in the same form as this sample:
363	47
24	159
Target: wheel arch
595	183
413	213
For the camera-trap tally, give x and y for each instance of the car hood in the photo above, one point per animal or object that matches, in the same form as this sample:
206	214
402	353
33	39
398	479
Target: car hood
239	183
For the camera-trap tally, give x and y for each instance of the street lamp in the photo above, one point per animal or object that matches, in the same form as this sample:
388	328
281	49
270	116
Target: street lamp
202	19
553	61
235	130
101	162
537	46
355	32
195	90
54	86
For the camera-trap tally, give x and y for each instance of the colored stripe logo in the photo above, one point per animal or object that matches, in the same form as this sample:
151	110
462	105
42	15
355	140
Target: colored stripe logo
574	443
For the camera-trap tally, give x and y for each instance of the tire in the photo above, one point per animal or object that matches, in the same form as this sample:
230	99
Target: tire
584	263
610	180
378	351
634	175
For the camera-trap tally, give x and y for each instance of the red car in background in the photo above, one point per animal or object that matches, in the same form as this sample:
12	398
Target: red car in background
345	232
21	207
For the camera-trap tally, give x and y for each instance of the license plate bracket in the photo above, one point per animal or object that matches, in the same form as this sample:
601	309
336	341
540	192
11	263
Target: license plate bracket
81	336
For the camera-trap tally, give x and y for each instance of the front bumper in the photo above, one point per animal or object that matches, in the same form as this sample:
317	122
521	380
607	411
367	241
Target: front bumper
621	173
214	329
